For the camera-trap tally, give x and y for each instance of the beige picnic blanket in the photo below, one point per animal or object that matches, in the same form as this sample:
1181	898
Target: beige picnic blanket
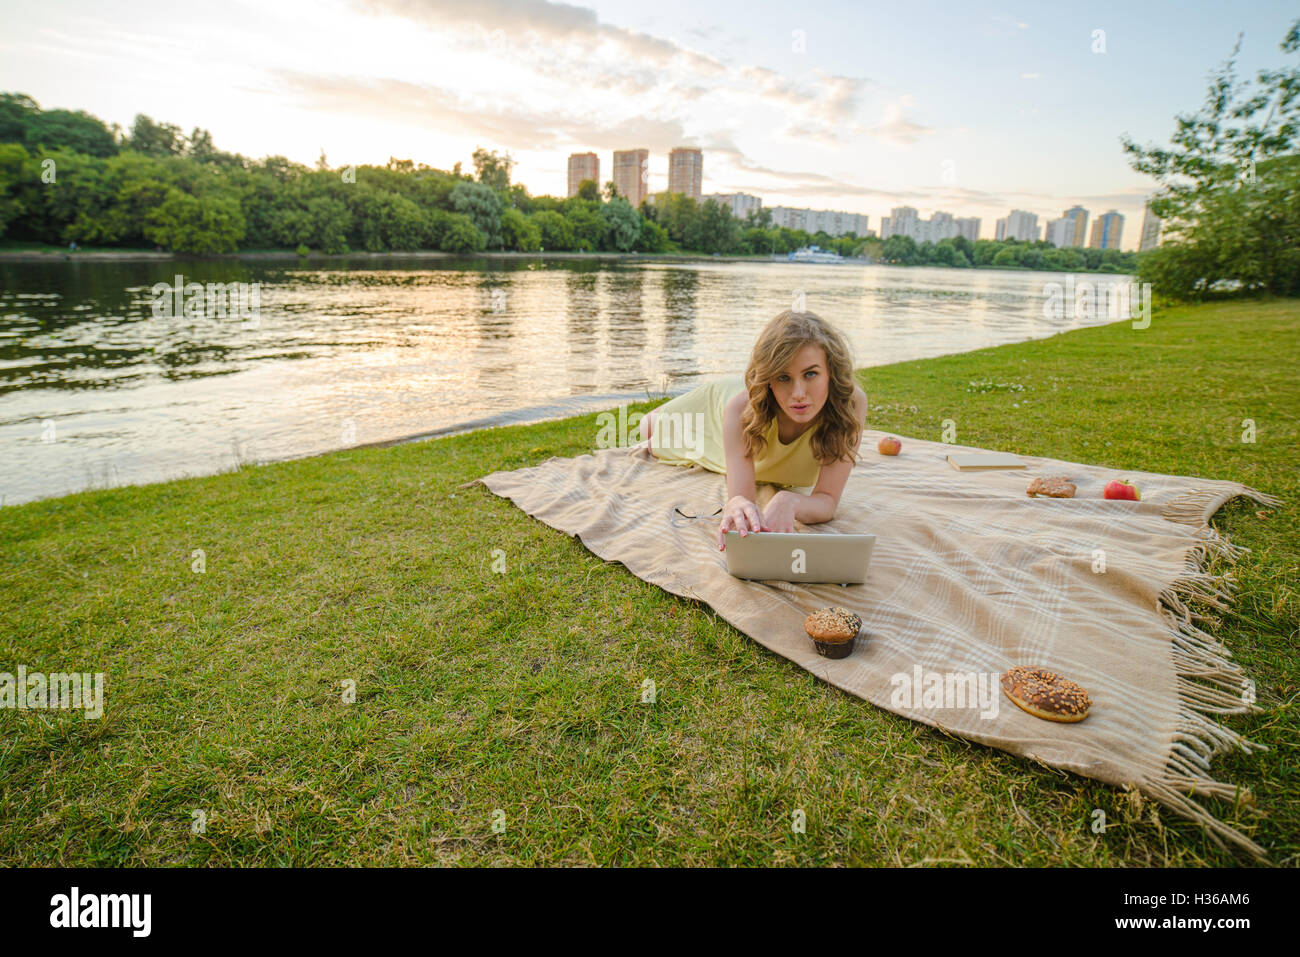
970	577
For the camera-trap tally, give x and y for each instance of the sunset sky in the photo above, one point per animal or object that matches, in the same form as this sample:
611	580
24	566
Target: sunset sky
969	107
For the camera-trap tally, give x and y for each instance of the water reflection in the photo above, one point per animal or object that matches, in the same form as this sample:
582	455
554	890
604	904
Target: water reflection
94	389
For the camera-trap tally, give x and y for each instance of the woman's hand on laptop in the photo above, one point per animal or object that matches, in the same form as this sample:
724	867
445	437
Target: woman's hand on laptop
740	515
780	512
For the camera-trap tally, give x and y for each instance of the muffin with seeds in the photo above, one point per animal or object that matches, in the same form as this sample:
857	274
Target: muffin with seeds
833	631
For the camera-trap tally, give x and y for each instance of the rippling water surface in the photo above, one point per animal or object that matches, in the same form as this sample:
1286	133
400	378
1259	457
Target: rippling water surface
95	390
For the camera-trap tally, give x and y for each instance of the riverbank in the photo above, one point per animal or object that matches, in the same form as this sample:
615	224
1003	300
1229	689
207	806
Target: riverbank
498	666
53	254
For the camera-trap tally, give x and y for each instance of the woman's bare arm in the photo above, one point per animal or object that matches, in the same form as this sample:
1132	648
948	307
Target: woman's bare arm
740	467
741	512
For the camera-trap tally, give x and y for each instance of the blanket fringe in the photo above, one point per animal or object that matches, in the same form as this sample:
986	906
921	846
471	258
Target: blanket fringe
1196	507
1208	681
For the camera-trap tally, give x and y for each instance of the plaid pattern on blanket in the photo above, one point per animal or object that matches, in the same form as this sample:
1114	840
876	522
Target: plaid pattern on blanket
970	577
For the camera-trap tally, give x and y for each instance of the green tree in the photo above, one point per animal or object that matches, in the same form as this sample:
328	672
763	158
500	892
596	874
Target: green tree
188	224
622	224
1221	213
946	254
155	139
583	217
199	146
331	222
16	112
653	238
588	190
492	170
556	233
461	235
759	240
518	233
131	187
520	200
16	167
899	249
985	250
719	231
79	132
482	204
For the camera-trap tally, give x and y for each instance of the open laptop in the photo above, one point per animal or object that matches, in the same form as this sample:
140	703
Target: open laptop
800	557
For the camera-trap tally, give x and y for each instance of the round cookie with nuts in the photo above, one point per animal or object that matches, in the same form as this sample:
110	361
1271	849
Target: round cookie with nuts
1055	486
1045	694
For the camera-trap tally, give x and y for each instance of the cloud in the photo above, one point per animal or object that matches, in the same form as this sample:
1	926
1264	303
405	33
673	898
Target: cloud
516	127
538	34
895	127
573	47
1004	23
551	22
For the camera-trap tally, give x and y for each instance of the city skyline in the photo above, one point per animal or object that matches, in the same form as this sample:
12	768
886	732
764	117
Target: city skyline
1068	230
962	109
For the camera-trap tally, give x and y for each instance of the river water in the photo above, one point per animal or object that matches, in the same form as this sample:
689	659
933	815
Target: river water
96	389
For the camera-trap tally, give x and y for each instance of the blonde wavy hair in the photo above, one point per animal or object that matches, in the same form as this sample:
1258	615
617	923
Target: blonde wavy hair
837	432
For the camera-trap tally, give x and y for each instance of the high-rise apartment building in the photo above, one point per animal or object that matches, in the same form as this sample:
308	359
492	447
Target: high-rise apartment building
740	204
903	221
1107	230
583	166
686	171
632	175
828	221
1018	225
1060	232
1078	216
1150	230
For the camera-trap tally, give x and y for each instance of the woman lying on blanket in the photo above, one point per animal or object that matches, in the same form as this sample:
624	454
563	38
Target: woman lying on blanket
794	420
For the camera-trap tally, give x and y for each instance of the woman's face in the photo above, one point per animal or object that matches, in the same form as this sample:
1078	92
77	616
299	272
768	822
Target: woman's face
801	388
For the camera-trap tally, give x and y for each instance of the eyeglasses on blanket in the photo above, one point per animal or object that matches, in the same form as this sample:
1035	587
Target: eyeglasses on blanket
679	519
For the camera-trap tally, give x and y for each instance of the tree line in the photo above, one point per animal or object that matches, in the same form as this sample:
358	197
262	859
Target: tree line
960	252
66	177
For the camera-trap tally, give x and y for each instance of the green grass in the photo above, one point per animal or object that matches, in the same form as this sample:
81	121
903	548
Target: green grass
521	691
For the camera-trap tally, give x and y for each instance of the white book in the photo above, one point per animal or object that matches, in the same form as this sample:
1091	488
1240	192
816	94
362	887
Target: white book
964	461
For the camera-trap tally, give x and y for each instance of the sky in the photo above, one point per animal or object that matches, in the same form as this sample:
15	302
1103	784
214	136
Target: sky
966	107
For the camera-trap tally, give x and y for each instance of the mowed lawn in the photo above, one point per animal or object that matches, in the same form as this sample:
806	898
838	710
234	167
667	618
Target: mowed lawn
498	716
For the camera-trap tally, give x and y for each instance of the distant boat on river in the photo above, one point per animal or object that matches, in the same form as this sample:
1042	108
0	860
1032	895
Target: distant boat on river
815	254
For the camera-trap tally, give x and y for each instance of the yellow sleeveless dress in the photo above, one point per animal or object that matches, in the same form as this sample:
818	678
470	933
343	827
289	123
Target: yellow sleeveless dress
688	431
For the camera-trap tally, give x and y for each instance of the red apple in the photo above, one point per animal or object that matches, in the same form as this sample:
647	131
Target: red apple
1123	489
888	445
